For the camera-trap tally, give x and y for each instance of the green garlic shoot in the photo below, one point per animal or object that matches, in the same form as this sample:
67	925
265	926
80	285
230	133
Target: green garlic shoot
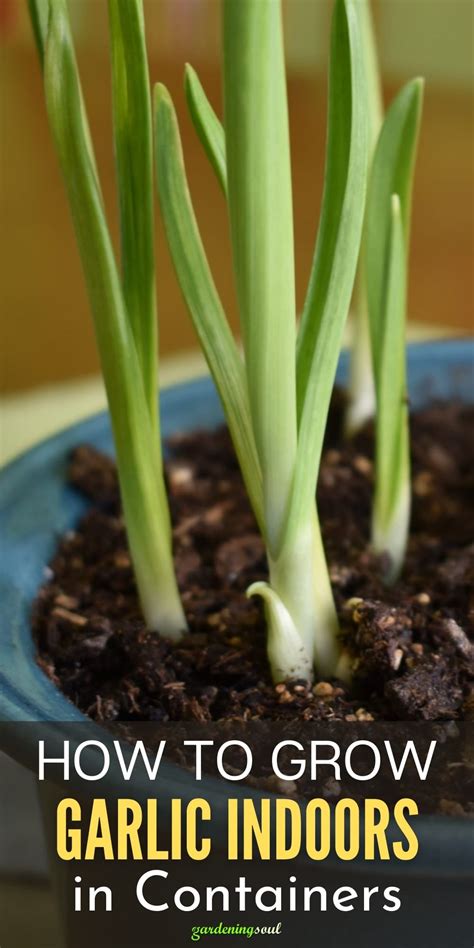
361	392
387	242
122	304
276	397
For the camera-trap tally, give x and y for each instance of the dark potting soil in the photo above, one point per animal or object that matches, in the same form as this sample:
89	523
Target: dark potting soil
411	644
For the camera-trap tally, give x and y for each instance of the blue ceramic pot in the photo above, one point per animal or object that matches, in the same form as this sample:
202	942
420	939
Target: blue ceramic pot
37	506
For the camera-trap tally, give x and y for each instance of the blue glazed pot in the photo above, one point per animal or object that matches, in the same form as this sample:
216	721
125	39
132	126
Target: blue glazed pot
37	506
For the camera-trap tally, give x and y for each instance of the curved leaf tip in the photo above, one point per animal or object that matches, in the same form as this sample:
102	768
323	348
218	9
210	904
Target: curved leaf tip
206	124
286	651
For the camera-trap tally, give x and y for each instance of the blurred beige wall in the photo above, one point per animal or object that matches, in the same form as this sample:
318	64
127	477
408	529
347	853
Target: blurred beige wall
433	38
46	330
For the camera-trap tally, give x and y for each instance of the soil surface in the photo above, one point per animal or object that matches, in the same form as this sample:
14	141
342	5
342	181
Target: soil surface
410	644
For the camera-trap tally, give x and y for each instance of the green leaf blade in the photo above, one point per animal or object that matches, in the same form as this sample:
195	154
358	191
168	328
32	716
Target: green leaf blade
261	216
39	15
374	84
361	390
138	458
391	511
200	294
392	173
134	161
388	224
337	248
208	127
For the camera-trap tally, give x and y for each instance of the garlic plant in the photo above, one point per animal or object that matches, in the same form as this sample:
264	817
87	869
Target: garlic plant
377	385
276	397
361	390
122	304
387	242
